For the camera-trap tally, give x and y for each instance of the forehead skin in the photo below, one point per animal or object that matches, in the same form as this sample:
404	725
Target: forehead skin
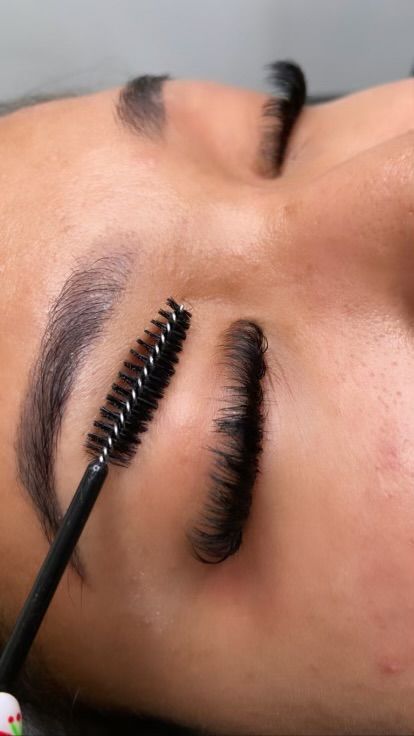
309	628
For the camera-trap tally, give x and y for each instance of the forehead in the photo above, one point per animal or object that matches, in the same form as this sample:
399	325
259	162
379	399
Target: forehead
43	124
77	141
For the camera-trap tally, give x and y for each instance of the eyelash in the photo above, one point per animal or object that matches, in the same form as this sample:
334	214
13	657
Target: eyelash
289	83
219	531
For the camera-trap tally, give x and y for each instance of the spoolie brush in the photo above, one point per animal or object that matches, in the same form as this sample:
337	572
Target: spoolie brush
134	397
125	415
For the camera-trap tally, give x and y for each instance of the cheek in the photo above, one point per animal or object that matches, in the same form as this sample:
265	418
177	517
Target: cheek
341	572
378	527
381	507
384	582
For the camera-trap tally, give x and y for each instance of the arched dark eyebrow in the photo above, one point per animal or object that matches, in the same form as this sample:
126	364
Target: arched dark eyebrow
75	321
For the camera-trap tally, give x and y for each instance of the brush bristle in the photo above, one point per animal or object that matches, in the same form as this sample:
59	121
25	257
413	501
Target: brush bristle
141	383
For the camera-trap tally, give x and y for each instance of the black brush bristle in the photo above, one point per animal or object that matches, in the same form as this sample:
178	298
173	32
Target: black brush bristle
140	385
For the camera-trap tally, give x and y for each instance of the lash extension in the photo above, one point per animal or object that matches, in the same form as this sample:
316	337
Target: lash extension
289	83
133	400
219	531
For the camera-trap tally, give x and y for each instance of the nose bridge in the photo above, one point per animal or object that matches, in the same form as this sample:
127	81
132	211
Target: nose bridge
225	249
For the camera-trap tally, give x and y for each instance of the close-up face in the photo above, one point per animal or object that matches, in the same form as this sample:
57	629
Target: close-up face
250	571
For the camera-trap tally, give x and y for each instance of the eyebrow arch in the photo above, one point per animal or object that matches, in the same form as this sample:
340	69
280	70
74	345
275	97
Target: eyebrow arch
140	105
75	321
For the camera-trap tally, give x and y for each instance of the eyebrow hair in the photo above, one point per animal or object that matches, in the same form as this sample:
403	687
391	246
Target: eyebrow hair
141	107
75	321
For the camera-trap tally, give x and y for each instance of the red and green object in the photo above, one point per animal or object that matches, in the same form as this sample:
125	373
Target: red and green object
11	722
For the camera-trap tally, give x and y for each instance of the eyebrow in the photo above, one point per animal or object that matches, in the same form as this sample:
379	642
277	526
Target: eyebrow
141	107
76	320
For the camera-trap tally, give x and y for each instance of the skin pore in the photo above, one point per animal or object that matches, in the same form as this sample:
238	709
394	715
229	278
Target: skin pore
309	627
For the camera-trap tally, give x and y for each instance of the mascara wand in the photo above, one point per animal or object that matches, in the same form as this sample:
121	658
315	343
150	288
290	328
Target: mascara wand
123	418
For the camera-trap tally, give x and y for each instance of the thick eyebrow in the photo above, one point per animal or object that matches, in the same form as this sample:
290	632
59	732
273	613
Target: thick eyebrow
75	321
140	105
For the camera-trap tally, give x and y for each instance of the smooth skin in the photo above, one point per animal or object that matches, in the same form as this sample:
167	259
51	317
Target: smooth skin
309	628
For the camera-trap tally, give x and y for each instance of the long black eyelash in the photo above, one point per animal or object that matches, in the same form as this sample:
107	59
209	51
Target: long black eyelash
141	383
219	531
289	83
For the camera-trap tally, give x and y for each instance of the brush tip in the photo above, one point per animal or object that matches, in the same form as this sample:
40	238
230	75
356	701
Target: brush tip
140	385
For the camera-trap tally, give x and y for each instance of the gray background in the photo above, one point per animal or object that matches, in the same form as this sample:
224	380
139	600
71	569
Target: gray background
48	45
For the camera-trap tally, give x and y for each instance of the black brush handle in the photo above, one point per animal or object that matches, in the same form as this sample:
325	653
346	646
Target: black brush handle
50	573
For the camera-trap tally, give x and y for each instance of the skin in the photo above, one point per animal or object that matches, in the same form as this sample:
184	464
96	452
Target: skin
309	628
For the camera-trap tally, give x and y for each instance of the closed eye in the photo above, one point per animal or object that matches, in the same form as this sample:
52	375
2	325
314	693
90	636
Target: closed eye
239	431
282	110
